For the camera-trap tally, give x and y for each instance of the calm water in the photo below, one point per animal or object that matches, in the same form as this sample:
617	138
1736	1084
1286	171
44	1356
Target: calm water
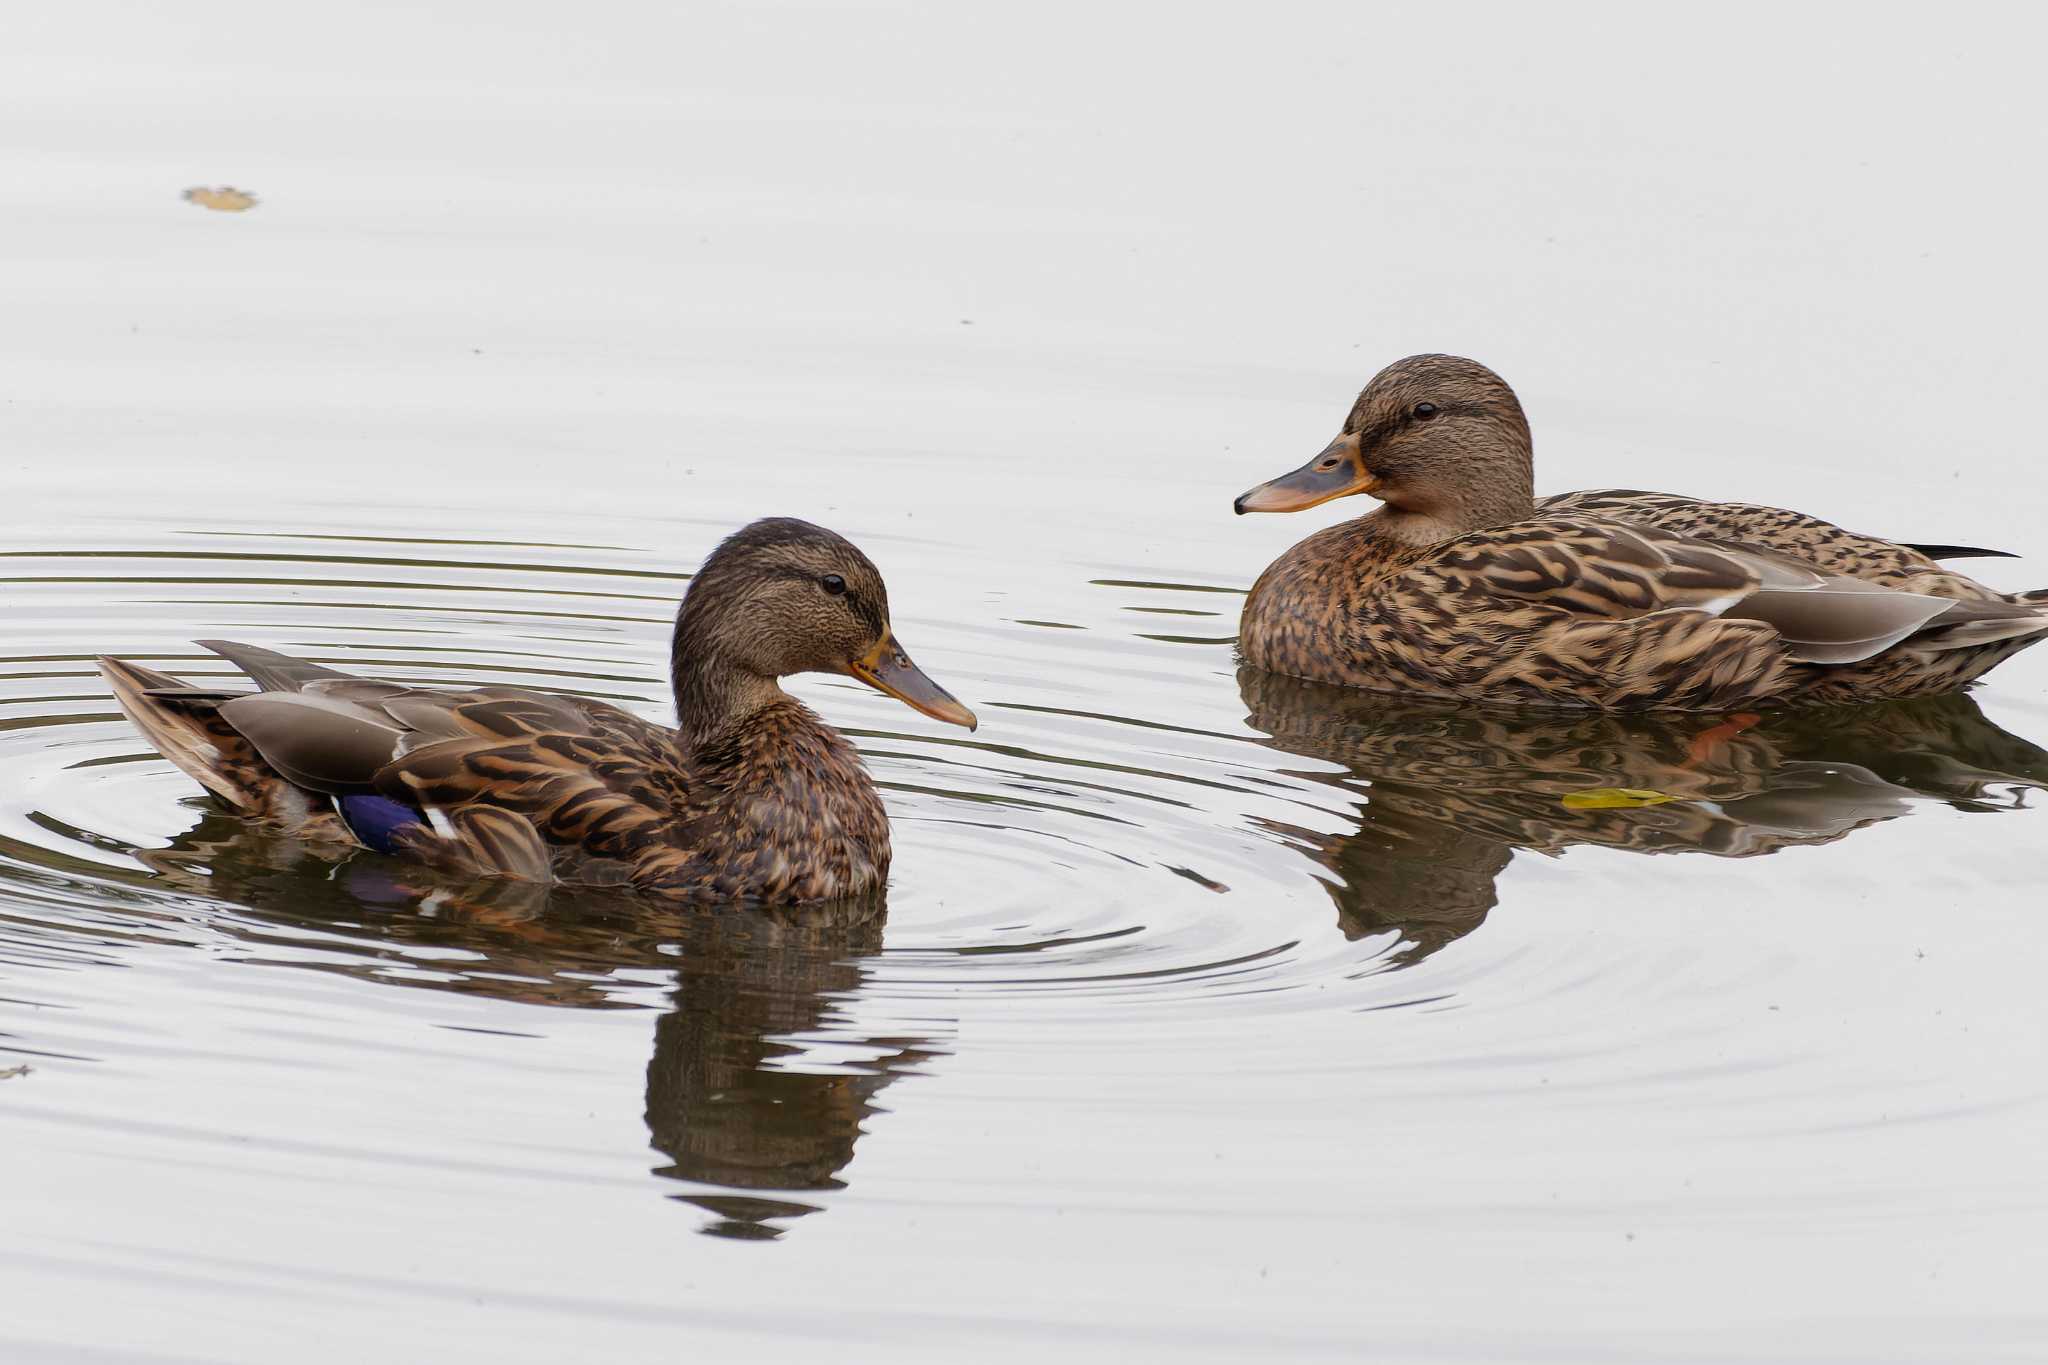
1208	1011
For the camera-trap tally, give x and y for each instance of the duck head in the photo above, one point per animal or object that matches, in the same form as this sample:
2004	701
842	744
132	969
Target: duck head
1437	436
780	597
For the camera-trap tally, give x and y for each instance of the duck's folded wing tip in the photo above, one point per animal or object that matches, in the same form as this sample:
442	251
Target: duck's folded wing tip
1842	622
313	743
272	671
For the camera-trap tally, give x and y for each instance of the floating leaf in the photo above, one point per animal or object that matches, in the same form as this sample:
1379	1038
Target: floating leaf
1614	798
225	199
8	1073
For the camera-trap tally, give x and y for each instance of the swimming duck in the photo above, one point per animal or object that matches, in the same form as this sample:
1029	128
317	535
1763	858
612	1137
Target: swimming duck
1463	585
752	798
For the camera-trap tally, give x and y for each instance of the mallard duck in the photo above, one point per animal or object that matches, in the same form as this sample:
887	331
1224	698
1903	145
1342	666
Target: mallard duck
752	798
1463	585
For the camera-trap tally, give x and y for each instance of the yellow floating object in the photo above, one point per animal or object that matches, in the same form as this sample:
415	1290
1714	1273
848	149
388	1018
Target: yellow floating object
1614	798
225	199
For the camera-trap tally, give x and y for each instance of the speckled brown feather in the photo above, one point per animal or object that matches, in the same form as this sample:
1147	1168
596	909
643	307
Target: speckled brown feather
573	791
1465	587
1524	613
1820	543
754	800
780	810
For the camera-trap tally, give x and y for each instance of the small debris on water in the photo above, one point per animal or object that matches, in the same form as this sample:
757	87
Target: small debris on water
1197	878
8	1073
222	199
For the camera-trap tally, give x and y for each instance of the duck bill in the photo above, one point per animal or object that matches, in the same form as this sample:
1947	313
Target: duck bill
887	669
1336	473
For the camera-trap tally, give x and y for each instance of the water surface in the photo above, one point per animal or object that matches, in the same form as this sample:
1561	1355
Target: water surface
1207	1011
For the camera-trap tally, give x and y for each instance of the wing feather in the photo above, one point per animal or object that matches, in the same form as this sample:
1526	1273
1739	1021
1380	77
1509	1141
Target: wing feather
272	671
1583	566
1604	569
509	780
321	743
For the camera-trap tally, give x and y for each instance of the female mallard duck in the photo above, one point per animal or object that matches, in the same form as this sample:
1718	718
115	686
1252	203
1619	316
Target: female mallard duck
753	798
1464	585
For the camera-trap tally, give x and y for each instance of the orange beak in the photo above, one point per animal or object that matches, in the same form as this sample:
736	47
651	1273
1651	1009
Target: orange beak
1336	473
886	668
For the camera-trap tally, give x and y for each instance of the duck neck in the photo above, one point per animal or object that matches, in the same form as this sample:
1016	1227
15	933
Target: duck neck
714	694
1439	522
1501	488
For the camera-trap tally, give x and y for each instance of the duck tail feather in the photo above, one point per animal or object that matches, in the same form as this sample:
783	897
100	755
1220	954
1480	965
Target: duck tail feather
1967	624
186	729
1958	551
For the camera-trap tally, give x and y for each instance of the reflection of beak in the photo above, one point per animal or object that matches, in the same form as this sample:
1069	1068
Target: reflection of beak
1337	472
886	668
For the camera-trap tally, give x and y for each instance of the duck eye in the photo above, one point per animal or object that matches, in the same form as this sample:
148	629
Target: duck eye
1424	411
833	584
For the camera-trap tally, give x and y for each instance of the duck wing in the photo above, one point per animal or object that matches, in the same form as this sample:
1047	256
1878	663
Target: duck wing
270	670
497	780
1822	544
613	789
1603	569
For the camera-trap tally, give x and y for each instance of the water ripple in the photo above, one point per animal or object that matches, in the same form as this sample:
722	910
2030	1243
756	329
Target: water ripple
1250	847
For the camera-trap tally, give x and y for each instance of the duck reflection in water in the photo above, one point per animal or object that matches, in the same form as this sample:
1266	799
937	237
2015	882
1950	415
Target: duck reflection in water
719	1104
732	1099
1449	793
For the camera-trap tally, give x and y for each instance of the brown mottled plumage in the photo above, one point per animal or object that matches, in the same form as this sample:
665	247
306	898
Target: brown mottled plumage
752	799
1464	585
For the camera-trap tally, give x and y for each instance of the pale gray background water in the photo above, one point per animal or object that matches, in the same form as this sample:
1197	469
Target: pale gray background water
1018	299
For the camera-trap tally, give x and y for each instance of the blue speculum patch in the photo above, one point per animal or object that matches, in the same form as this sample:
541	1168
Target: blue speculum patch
374	819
